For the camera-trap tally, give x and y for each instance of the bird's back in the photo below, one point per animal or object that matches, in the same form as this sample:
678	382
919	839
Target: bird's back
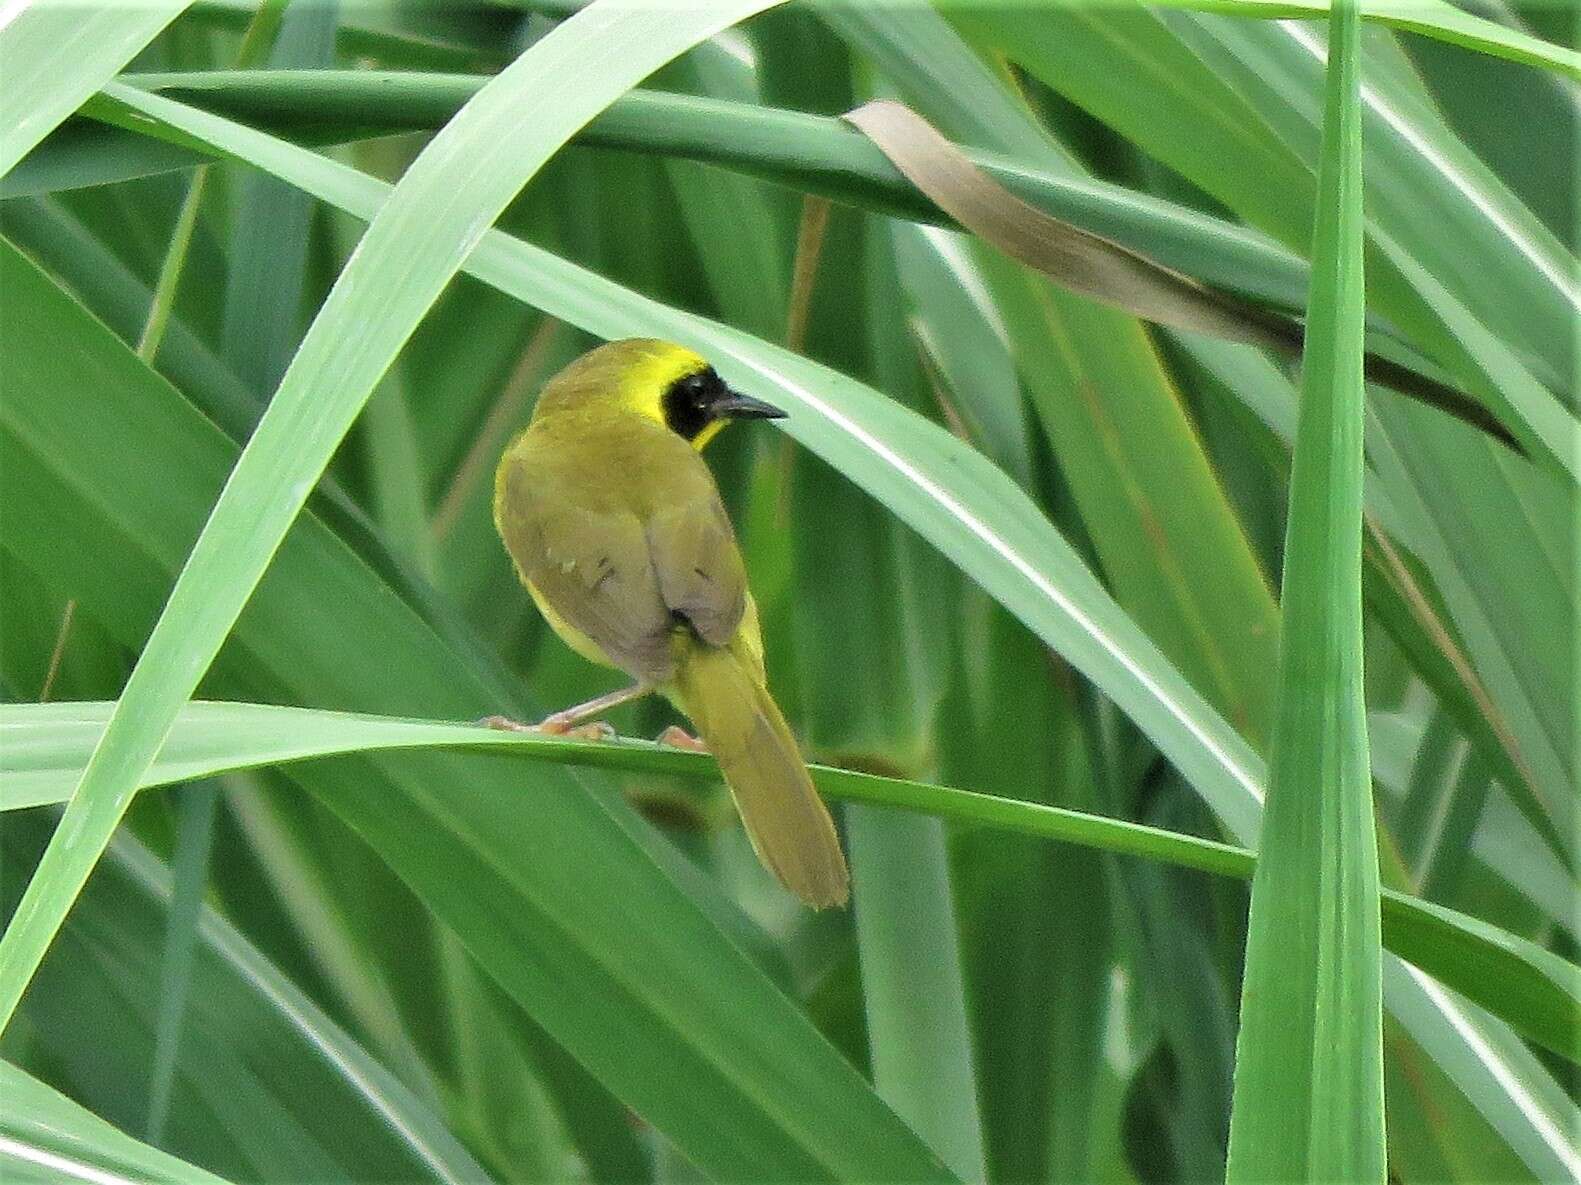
617	529
608	461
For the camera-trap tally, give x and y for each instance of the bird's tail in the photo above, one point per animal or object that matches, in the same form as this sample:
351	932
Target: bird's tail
789	826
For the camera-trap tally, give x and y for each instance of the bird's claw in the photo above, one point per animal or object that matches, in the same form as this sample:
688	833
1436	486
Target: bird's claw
596	730
678	738
593	730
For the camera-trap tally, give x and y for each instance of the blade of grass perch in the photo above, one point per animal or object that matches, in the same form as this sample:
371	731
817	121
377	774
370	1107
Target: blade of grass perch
1308	1095
1106	270
43	748
418	241
56	55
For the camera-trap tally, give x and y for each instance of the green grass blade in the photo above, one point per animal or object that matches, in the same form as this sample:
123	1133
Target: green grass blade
912	984
1496	1072
1308	1102
102	281
57	54
260	33
286	836
1040	1014
46	745
1426	190
46	1137
267	244
1505	586
165	287
197	810
816	153
194	841
1431	18
959	331
300	1100
111	291
414	246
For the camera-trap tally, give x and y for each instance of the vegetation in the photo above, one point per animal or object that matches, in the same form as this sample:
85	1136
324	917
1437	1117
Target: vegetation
1057	598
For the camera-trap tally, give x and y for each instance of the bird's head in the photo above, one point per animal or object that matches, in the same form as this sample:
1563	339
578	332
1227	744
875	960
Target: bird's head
665	382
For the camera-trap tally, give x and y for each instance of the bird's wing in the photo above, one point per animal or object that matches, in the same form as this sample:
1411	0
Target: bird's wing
592	567
698	565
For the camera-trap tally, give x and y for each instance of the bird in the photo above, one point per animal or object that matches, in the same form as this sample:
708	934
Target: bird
615	526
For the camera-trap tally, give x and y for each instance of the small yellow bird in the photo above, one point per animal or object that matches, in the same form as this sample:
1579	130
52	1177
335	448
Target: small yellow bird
616	528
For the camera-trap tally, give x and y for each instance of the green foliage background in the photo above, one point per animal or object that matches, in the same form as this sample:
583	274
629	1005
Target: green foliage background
1015	543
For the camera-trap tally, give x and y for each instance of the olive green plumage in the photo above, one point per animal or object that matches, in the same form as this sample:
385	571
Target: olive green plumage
617	530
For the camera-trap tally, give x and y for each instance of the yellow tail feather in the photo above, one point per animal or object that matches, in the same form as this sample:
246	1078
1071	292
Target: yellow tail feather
789	826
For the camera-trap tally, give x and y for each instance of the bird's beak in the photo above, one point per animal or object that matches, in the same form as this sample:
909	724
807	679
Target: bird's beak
736	406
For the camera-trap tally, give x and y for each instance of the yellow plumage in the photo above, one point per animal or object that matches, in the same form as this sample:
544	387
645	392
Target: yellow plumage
616	528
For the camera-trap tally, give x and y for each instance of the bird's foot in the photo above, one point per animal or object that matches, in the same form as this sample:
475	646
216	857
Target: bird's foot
551	726
593	730
678	738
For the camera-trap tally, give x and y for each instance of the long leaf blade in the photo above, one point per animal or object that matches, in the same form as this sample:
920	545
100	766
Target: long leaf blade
1308	1100
1431	18
44	1136
43	747
56	55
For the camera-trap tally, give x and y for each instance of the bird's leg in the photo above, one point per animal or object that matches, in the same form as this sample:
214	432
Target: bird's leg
568	721
563	722
677	737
